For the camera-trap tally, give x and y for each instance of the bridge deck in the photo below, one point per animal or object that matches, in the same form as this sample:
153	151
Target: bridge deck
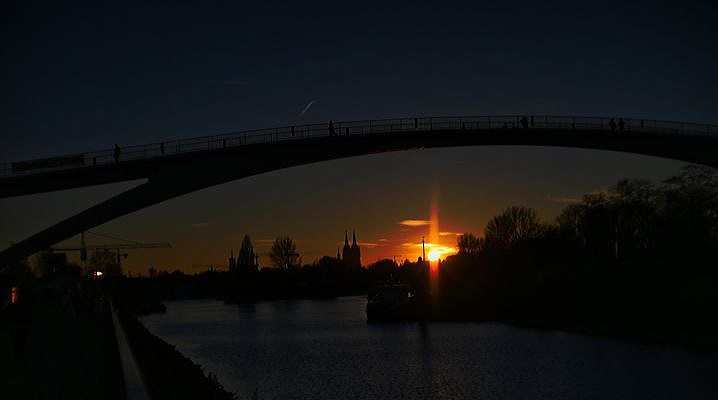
160	150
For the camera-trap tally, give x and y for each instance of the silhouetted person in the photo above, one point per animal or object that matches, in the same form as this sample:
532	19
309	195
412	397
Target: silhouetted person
292	131
162	148
621	124
524	122
532	121
116	153
331	128
416	123
612	124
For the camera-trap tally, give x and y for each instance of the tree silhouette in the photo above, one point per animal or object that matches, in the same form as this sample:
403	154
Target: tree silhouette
245	259
637	220
469	244
284	253
513	225
634	204
689	210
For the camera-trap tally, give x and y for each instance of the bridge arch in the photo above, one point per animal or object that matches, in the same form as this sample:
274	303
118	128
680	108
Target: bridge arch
175	168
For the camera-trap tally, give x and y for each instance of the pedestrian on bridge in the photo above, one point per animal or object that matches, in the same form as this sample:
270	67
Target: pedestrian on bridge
612	124
621	125
524	122
331	128
117	153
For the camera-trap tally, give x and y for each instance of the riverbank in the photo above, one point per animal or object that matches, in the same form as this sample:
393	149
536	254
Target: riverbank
166	372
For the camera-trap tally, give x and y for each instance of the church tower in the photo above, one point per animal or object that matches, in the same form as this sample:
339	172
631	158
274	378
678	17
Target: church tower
347	251
351	255
356	252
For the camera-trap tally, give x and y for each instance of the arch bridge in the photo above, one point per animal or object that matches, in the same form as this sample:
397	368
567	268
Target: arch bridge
174	168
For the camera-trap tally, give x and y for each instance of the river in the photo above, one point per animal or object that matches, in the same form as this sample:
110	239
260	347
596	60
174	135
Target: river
324	349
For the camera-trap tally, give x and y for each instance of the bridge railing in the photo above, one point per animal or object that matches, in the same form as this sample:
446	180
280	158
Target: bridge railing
352	128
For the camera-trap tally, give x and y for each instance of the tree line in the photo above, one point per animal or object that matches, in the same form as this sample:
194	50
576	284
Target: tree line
675	220
637	259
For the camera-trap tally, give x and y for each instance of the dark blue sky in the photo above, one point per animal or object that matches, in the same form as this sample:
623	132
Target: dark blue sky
83	77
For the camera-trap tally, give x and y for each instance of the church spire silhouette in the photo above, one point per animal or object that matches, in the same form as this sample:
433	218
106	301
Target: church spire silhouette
351	255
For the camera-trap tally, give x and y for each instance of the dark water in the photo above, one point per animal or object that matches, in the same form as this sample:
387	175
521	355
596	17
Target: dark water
326	350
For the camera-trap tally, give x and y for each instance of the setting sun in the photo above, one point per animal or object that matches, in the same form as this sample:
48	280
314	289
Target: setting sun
434	255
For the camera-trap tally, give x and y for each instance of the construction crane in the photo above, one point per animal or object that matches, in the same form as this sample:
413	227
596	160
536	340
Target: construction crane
128	245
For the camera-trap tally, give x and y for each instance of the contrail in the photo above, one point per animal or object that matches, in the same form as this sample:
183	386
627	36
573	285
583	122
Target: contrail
306	108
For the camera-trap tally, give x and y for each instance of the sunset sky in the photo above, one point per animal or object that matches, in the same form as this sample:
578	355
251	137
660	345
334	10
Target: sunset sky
80	78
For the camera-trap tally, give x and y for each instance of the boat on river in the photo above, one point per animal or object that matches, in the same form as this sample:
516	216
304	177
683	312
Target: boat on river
391	302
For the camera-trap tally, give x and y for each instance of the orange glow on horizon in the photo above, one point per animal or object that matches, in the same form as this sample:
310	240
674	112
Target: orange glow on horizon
406	242
438	244
441	250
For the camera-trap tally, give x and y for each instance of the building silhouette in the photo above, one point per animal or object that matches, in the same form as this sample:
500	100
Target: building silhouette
246	260
351	255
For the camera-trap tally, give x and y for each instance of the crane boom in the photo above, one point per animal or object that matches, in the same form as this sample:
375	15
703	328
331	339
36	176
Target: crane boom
114	246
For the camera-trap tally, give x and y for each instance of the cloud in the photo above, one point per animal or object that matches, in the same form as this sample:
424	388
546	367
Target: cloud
450	233
306	108
414	222
382	240
368	245
199	224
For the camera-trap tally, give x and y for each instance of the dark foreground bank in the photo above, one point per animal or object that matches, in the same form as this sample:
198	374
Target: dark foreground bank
166	372
57	342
